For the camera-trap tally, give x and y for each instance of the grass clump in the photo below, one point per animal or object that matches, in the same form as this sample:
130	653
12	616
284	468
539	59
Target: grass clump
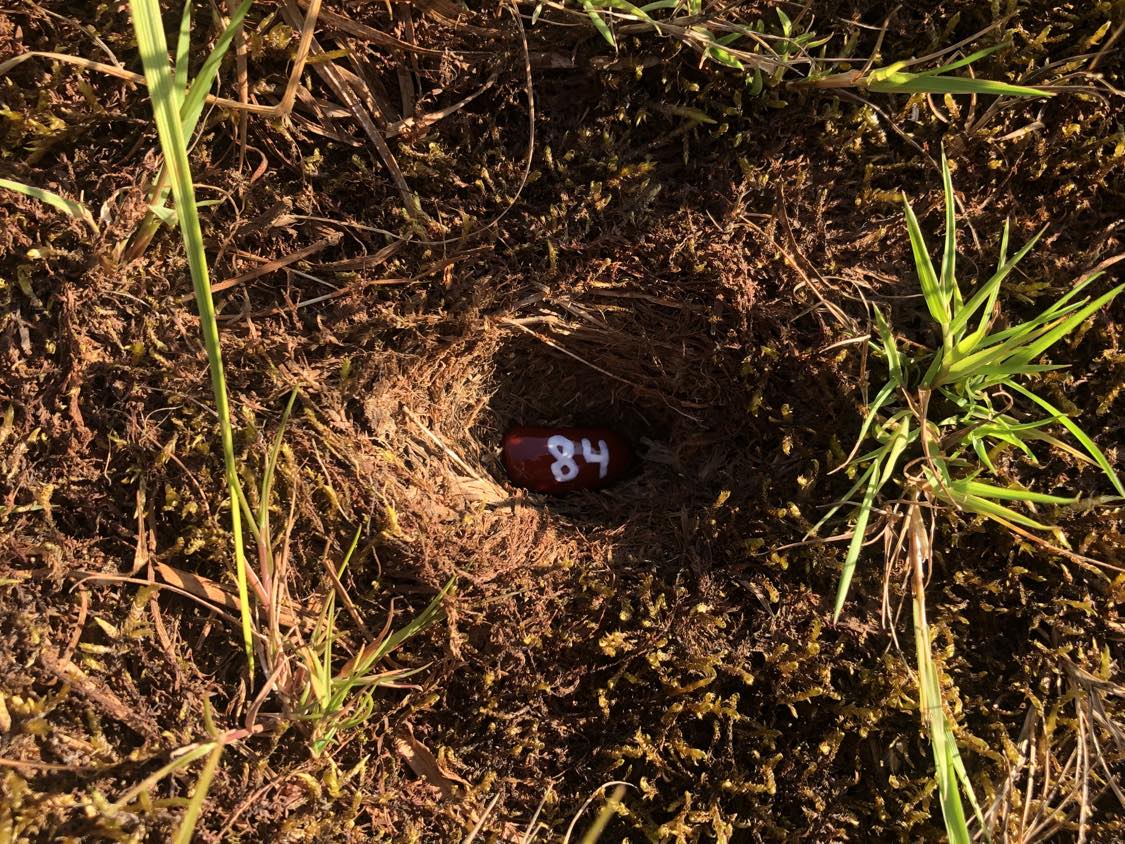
312	692
787	51
953	403
176	113
321	698
934	435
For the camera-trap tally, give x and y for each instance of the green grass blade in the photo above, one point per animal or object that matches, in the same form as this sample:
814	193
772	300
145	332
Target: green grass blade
927	278
996	354
952	810
966	785
942	741
1014	356
161	86
879	452
786	23
1058	308
201	85
630	9
937	365
195	806
994	375
978	445
1039	436
259	523
986	295
902	438
178	763
986	507
594	834
248	513
1067	325
1034	327
1062	307
1080	435
863	478
965	61
863	515
873	409
1006	423
1015	442
209	718
950	290
725	57
329	641
881	399
913	83
369	657
1012	493
351	550
271	467
191	106
890	348
68	206
430	614
599	23
1014	435
183	53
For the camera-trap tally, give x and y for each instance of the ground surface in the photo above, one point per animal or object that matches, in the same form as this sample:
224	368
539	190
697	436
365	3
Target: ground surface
658	273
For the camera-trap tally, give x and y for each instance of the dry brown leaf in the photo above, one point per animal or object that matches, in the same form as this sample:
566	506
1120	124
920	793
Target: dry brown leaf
214	593
426	765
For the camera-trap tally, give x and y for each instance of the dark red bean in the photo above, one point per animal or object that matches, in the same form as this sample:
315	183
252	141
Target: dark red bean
558	460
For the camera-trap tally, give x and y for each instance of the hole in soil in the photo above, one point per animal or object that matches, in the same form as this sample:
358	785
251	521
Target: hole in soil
608	610
655	365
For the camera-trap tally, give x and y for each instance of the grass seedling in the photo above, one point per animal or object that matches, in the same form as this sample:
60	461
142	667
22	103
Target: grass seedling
896	79
949	770
937	429
323	699
968	379
330	701
752	48
175	116
138	797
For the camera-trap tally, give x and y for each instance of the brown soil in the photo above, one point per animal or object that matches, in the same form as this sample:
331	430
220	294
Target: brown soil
656	274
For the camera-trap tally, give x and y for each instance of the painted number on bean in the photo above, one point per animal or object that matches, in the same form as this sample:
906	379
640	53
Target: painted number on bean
565	468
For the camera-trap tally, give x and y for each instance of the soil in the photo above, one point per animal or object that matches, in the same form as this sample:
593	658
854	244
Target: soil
688	282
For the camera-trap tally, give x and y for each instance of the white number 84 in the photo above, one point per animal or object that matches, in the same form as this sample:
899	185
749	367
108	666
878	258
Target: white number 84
564	468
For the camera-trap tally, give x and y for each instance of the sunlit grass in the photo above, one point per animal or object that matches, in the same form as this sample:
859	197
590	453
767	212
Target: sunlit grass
785	50
966	375
173	130
331	700
138	797
312	691
934	434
